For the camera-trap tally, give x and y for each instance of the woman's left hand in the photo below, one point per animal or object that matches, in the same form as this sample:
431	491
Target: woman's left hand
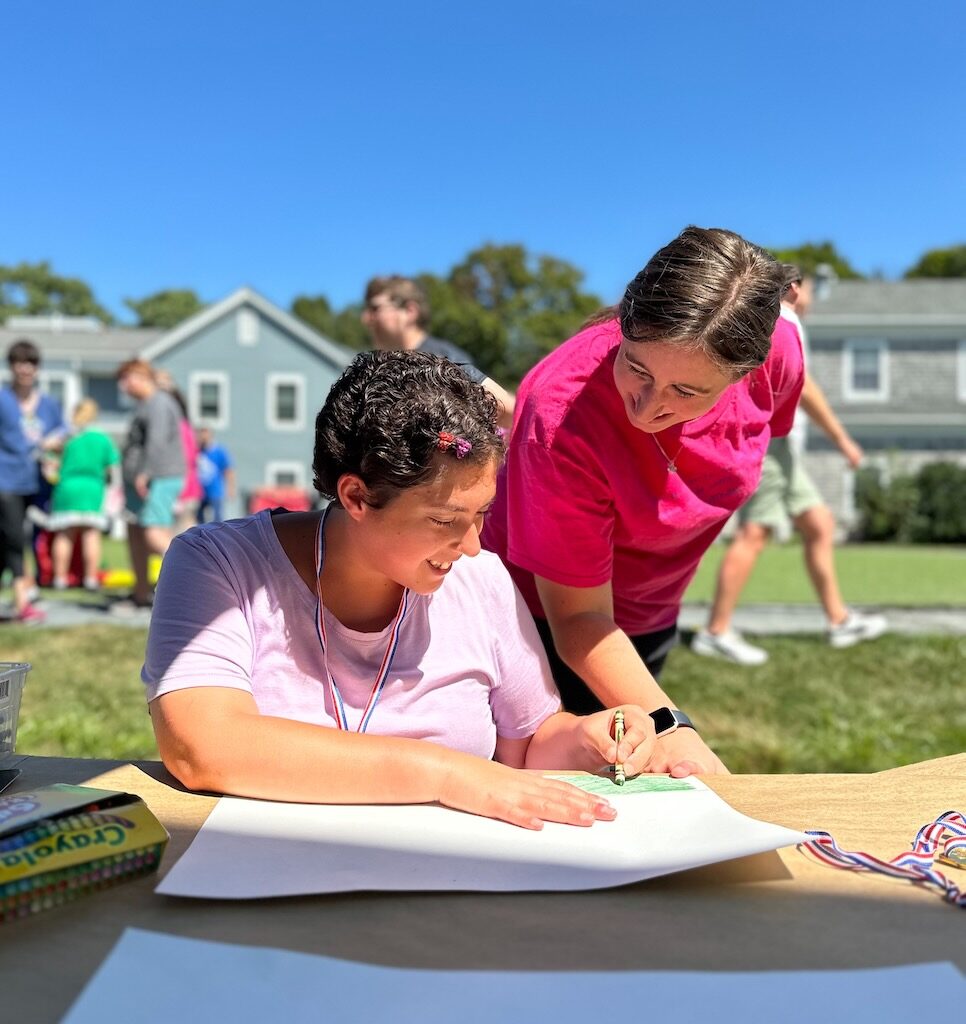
636	747
682	753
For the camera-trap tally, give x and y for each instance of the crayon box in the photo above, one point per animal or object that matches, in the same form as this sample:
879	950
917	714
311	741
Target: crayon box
60	842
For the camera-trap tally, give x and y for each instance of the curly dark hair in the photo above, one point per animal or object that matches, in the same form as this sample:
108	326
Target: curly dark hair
383	418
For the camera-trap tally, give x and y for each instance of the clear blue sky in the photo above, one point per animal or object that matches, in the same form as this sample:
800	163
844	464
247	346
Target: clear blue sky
302	147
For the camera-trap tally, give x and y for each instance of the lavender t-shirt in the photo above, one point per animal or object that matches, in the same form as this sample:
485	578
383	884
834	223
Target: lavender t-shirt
231	610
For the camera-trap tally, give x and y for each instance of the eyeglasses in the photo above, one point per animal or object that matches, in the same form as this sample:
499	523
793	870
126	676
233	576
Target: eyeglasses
374	307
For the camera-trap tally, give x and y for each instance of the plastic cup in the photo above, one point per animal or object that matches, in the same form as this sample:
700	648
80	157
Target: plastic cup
13	675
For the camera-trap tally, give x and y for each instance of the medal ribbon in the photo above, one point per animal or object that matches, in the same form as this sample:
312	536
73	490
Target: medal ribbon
942	840
394	633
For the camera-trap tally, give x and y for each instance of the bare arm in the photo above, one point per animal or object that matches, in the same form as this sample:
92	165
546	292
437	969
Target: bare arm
815	404
506	399
591	643
214	738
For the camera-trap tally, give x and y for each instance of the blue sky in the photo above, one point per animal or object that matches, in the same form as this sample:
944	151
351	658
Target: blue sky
303	147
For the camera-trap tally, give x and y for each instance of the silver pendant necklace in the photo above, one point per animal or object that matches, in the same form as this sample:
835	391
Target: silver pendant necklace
671	463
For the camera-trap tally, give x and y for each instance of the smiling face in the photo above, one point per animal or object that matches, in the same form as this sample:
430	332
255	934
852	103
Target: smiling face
414	539
664	384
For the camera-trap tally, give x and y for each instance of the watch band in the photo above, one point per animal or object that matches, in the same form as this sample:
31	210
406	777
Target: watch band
668	720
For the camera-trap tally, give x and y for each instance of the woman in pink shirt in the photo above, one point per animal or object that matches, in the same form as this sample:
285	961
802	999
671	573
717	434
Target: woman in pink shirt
632	445
354	655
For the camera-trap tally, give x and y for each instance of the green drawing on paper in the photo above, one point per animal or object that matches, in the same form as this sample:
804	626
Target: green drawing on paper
639	784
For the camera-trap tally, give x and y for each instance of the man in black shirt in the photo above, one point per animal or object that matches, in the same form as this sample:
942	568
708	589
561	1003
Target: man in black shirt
396	314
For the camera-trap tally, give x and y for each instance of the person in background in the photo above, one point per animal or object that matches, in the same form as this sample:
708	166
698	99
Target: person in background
370	652
786	492
30	424
396	315
153	467
77	507
216	473
634	442
189	500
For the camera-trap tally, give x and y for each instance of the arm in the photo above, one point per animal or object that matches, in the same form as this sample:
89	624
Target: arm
814	402
506	399
591	643
214	738
230	482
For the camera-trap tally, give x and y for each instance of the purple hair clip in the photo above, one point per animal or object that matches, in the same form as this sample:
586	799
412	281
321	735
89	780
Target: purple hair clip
449	442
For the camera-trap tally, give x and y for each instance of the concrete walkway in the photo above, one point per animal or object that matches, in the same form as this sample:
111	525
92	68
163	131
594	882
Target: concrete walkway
761	619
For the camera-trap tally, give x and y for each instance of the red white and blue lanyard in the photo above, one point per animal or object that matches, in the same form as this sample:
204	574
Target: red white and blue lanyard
942	840
394	633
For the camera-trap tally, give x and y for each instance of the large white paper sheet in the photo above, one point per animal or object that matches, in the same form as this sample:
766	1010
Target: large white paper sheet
249	849
156	979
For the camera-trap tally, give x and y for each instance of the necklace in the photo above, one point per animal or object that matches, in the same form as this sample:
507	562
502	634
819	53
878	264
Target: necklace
671	463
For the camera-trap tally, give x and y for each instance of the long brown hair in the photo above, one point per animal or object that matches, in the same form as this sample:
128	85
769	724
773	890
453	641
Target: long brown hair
708	289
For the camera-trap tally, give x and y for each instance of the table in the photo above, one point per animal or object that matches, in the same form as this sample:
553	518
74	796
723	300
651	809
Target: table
774	911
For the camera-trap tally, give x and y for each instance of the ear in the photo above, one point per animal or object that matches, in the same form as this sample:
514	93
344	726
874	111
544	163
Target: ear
353	495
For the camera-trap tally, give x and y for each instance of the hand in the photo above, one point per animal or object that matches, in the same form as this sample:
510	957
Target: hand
522	798
683	753
597	739
141	485
852	452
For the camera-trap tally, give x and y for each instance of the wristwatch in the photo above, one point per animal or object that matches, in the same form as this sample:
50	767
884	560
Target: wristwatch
668	720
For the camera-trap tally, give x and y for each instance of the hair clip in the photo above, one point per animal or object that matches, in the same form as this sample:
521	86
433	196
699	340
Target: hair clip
447	442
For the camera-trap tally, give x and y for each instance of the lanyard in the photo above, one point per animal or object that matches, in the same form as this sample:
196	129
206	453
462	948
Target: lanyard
941	841
394	632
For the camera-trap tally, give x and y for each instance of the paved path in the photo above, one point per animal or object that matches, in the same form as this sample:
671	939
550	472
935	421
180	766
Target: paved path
782	619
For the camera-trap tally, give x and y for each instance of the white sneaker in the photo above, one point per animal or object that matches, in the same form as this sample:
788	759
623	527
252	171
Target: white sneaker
856	628
730	645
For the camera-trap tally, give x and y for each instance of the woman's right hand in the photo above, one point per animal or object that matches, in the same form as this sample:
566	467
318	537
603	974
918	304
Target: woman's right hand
519	797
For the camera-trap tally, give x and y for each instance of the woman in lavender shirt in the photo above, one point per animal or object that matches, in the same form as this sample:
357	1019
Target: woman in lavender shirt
355	655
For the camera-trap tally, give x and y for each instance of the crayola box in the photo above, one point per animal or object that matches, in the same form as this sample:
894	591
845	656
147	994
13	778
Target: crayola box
60	842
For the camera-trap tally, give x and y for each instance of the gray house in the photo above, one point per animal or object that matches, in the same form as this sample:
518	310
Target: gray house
252	372
891	359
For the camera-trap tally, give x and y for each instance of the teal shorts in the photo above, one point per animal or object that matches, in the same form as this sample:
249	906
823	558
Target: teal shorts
785	492
157	509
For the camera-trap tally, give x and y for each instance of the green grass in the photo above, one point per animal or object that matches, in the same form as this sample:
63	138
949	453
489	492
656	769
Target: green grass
869	574
809	709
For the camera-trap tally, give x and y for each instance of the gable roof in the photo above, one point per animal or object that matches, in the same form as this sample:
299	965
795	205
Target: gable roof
329	350
922	302
67	339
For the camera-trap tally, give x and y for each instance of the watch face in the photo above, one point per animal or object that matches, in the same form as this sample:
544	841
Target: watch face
664	721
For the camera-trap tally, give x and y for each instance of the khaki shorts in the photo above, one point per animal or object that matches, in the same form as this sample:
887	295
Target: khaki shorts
785	491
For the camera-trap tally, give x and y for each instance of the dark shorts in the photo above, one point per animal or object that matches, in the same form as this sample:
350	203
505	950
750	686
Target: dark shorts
652	647
13	536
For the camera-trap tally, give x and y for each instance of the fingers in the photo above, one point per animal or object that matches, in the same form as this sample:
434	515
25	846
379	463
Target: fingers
540	800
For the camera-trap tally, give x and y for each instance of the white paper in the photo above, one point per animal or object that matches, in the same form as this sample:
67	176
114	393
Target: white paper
248	849
156	979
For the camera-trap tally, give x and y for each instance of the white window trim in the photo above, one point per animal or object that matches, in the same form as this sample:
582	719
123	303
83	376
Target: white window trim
293	466
272	381
961	371
849	392
196	378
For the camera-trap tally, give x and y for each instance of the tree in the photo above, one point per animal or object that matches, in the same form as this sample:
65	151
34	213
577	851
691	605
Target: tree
949	262
812	254
344	327
33	289
165	308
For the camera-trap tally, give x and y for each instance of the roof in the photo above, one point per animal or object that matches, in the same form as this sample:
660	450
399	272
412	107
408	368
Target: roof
329	350
922	302
71	338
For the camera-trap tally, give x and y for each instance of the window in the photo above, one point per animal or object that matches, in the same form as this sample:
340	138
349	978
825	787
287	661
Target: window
285	401
208	398
285	474
247	324
961	372
865	369
107	394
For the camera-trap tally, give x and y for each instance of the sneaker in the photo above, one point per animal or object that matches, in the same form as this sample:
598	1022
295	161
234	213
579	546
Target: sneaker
730	645
31	615
856	628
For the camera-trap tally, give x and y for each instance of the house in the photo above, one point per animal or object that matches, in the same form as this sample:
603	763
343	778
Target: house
252	372
891	359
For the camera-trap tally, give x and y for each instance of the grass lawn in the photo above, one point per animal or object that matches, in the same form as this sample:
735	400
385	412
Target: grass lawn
809	709
869	574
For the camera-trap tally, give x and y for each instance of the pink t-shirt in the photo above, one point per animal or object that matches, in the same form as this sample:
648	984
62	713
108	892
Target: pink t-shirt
231	610
586	498
192	490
